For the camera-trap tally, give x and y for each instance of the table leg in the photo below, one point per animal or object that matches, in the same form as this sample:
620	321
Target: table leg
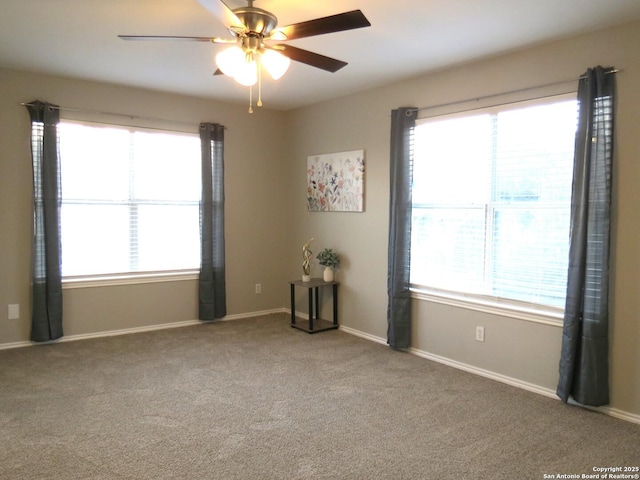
293	305
317	302
335	304
310	309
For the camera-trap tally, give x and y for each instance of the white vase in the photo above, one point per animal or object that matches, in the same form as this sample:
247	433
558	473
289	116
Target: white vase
328	274
306	278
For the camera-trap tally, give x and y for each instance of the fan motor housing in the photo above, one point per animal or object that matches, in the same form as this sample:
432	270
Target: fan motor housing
257	20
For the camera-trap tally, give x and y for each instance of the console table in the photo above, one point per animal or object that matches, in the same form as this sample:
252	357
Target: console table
315	323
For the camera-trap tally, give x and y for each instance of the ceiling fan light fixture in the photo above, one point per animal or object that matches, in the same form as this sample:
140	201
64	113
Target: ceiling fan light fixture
247	73
238	64
275	63
230	60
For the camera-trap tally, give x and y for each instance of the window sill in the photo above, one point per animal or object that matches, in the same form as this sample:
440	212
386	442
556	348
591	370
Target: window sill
504	308
128	279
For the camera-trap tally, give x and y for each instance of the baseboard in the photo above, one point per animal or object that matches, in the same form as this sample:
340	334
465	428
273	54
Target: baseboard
366	336
531	387
9	346
108	333
612	412
147	328
514	382
240	316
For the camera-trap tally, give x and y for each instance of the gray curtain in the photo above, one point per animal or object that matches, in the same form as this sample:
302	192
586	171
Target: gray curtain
399	257
584	362
212	283
46	274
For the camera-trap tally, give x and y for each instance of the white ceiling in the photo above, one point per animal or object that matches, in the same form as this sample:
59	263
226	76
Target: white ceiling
78	38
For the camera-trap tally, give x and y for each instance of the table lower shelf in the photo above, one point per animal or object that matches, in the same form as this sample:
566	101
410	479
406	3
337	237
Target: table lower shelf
319	325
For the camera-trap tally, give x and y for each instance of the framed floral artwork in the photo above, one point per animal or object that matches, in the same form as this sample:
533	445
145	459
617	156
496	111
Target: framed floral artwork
335	182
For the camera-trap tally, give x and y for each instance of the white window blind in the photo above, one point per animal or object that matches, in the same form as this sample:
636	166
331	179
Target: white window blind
130	200
491	202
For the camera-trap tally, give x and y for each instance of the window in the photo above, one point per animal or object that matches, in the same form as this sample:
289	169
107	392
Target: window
491	202
130	200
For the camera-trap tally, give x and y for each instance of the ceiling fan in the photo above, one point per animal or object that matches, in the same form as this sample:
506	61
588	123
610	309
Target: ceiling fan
254	30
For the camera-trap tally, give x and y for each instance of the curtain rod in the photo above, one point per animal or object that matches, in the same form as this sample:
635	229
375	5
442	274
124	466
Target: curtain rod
132	117
519	90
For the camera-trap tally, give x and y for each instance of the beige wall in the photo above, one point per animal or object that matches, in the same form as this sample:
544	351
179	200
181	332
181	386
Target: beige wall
255	223
514	349
267	220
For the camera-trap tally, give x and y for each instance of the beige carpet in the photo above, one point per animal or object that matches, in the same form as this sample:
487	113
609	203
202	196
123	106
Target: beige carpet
256	399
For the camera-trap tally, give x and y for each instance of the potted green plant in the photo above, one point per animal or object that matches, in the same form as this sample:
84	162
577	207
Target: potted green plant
329	260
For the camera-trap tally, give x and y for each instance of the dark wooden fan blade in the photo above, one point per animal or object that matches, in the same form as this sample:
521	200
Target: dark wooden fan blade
222	12
320	26
314	59
179	38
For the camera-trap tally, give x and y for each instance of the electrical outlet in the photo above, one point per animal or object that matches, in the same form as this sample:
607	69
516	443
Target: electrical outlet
480	334
258	288
13	311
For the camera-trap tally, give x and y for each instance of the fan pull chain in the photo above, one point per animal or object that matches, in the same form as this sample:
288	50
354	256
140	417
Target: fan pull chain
259	67
251	99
